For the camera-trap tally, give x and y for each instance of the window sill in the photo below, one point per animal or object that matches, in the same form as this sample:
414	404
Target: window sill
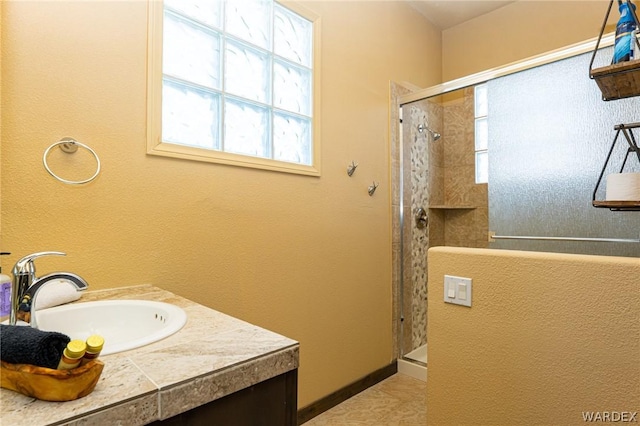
219	157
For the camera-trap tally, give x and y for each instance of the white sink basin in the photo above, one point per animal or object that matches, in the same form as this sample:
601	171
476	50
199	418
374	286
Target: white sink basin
124	324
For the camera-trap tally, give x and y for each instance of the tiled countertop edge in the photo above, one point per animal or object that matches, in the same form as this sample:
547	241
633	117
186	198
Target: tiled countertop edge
176	399
141	410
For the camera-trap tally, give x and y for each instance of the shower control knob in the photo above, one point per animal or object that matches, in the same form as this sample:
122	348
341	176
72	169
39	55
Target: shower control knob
421	218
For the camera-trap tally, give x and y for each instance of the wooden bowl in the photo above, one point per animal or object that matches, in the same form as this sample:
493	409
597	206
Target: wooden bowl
48	384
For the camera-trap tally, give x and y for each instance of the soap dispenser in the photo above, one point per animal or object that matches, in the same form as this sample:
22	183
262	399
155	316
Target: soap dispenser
5	294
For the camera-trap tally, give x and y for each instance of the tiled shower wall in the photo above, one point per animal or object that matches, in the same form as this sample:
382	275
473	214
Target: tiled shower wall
440	177
466	222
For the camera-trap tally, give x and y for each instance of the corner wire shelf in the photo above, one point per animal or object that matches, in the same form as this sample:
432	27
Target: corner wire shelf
626	130
621	80
618	81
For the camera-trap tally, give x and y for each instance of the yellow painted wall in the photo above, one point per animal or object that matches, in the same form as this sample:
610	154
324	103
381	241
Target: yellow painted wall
306	257
519	30
0	128
548	336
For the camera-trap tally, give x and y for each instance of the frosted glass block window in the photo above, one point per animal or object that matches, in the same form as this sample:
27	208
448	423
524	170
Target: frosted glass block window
481	133
246	128
288	130
247	72
191	52
237	77
206	11
189	116
482	167
481	104
250	20
292	36
292	88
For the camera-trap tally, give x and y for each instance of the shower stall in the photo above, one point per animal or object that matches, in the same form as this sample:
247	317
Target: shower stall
546	147
435	195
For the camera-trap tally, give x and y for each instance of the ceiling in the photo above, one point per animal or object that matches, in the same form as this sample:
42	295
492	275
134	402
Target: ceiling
448	13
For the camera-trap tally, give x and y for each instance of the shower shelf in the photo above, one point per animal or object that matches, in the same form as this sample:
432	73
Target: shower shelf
445	207
621	80
618	205
618	81
627	131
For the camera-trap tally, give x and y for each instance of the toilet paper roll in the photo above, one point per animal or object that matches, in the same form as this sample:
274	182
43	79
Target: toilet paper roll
623	187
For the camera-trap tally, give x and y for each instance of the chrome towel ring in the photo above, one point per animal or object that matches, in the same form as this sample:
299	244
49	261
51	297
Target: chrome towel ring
70	145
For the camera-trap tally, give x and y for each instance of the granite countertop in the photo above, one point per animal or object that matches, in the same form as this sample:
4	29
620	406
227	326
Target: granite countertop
212	356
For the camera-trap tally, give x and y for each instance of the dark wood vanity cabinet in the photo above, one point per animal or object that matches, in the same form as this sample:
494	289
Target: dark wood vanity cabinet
269	403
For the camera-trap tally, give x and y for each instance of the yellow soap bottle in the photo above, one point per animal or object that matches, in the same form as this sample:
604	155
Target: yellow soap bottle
72	355
95	343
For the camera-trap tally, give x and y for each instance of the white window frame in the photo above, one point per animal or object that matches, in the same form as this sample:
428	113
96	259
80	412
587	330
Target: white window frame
155	144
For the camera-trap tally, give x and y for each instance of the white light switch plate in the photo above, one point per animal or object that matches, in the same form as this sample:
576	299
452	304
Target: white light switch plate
457	290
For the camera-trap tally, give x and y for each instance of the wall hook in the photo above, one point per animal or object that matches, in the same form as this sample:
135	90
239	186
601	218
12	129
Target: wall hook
372	188
352	168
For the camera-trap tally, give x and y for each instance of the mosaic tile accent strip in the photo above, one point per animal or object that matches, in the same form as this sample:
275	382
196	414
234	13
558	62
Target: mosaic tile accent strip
419	237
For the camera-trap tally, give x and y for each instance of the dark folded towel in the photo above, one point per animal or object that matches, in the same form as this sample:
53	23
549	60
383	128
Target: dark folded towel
26	345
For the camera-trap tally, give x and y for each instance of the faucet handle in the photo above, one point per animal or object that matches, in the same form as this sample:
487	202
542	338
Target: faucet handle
26	265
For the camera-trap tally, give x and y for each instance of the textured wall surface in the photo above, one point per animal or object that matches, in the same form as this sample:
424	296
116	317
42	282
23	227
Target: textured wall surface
306	257
548	336
520	30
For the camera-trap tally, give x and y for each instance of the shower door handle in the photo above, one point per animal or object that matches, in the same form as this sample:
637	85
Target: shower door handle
421	218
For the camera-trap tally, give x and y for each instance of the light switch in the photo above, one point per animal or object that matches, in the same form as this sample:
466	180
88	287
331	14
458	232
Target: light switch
462	291
457	290
451	293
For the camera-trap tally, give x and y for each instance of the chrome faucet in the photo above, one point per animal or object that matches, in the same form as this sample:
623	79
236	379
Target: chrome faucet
25	285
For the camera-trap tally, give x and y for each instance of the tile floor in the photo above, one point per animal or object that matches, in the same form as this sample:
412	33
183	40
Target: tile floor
399	400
